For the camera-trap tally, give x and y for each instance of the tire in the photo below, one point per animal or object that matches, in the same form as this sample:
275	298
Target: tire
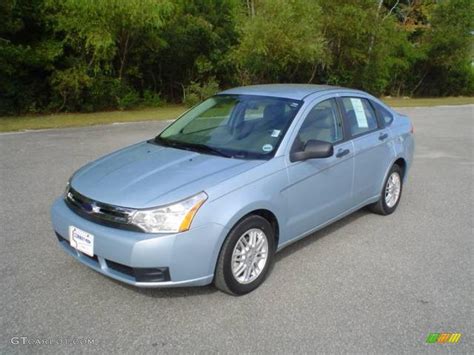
233	254
385	206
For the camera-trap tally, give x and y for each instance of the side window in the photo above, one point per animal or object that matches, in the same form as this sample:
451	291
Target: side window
323	123
386	116
360	114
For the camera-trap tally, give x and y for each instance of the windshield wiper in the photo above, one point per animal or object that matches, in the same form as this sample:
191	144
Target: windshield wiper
166	142
207	149
191	146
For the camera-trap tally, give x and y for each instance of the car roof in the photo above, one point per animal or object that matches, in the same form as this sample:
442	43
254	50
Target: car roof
290	91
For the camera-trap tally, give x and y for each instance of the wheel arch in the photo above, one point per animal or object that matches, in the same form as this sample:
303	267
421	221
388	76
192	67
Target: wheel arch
270	217
263	212
259	209
402	163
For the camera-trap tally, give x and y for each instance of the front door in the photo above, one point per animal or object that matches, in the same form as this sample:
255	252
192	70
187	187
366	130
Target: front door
320	189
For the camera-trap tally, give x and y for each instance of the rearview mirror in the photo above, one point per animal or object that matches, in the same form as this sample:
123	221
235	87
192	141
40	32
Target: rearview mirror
313	149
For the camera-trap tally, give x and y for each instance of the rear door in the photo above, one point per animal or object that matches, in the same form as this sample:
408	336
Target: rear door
372	147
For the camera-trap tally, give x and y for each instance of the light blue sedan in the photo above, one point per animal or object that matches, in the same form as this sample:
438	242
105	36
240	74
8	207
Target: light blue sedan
231	182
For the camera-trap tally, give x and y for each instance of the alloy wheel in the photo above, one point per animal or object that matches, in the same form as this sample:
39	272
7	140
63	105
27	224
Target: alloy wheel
249	256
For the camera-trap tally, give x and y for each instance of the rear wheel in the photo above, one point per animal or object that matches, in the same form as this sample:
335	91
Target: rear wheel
391	193
246	256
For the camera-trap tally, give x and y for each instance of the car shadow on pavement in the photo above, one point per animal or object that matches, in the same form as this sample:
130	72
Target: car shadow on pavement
178	292
172	292
312	238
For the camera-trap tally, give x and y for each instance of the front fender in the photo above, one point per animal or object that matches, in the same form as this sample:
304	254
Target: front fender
263	194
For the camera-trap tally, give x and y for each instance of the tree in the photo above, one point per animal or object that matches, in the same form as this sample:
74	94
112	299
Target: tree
105	42
364	43
447	68
27	57
84	55
280	41
198	37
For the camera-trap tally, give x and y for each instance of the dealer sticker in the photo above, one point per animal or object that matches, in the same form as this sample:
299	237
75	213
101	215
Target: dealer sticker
267	148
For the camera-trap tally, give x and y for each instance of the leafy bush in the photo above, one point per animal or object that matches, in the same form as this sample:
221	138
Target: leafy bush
128	100
151	99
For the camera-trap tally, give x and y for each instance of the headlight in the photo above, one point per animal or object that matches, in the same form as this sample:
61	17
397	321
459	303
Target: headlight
172	218
68	185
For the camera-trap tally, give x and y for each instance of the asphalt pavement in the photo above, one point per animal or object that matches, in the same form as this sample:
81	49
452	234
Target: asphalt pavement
366	284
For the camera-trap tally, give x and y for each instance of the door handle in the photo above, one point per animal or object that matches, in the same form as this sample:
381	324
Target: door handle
340	153
383	136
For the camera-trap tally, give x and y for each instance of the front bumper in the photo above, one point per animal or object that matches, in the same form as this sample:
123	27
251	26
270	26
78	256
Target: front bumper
185	259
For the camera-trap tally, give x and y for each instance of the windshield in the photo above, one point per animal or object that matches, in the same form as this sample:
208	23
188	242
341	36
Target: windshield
237	126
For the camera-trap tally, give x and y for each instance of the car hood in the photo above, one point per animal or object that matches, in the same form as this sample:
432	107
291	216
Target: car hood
148	175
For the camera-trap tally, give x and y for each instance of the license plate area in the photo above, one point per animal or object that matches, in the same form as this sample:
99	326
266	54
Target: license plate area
81	240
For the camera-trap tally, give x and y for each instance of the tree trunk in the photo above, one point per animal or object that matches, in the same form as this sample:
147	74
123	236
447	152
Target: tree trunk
123	56
313	74
419	84
251	7
391	10
372	38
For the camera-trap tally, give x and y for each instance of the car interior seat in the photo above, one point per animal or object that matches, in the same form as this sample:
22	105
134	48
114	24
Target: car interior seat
320	124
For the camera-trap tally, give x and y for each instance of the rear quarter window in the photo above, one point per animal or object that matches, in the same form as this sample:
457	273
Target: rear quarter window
383	113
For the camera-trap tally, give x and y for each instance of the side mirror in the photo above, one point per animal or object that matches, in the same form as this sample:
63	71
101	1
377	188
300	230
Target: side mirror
313	149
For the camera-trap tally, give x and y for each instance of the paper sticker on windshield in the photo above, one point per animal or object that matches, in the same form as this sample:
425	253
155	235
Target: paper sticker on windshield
267	148
359	113
276	133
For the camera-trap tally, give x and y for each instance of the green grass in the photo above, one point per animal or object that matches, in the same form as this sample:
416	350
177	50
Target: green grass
31	122
436	101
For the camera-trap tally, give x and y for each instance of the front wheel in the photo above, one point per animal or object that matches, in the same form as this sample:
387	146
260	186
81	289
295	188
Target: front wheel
246	256
391	193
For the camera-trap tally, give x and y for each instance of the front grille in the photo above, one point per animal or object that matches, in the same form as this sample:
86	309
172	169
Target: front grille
99	212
